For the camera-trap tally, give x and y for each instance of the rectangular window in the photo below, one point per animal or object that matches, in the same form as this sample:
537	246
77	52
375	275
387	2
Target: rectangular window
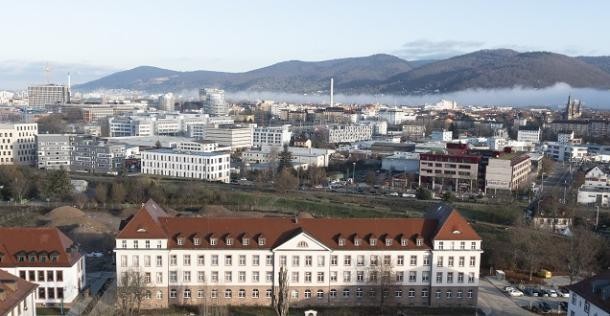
347	276
347	260
41	276
159	277
449	277
308	277
321	261
439	261
228	260
256	260
400	260
242	260
186	260
400	276
426	260
387	260
214	276
470	277
295	277
242	276
320	276
473	261
214	260
255	276
413	261
201	260
201	276
308	261
269	260
295	261
159	261
360	260
283	261
50	276
173	276
333	276
460	277
439	277
425	276
60	276
228	276
147	244
461	261
450	261
473	245
123	261
334	260
173	260
269	276
147	261
374	260
412	276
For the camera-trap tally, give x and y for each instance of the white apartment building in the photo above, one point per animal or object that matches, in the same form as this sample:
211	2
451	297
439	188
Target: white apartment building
272	135
509	171
17	296
199	145
335	134
432	261
234	136
441	135
565	152
208	166
18	143
46	257
54	150
596	189
395	117
529	135
167	102
315	157
130	126
590	296
214	101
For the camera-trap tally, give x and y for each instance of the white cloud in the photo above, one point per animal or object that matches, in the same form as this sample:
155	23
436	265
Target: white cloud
425	49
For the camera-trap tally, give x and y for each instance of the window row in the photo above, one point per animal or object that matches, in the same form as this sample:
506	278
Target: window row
42	275
462	245
451	261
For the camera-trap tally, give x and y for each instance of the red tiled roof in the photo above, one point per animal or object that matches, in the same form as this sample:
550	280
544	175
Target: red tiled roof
145	223
41	241
277	230
13	290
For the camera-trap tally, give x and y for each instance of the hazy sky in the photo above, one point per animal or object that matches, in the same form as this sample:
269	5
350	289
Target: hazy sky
242	35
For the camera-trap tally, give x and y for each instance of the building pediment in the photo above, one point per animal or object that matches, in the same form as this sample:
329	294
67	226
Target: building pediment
301	241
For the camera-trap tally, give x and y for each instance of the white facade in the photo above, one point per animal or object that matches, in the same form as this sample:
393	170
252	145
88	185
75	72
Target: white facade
529	135
348	133
442	135
315	157
507	174
395	117
167	102
18	143
565	152
272	135
209	166
233	136
214	101
565	138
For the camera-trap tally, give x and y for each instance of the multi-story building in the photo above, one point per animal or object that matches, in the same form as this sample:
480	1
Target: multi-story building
508	171
198	145
590	296
214	101
39	96
272	135
18	143
595	189
414	131
565	152
17	296
54	150
130	126
204	165
46	257
395	117
449	170
431	261
167	102
234	136
335	134
96	155
529	134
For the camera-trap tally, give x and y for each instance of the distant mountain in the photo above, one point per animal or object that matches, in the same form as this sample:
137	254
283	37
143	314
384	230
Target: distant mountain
490	69
381	74
289	76
602	62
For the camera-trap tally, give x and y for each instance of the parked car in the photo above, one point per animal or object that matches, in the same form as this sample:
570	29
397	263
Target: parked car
563	292
508	288
552	293
563	305
515	292
544	307
530	291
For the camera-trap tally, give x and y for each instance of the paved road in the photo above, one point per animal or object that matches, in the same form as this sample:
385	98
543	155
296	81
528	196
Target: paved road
494	303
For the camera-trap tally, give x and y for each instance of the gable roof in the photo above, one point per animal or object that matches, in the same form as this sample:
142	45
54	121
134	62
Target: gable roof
451	225
13	290
591	289
146	223
43	241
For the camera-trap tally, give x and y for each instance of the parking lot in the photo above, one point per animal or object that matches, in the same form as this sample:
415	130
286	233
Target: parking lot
528	302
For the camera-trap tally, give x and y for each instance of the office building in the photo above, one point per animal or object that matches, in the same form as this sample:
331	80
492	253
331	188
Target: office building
315	157
431	261
213	101
508	171
229	135
40	96
272	135
46	257
335	134
18	143
449	171
203	165
529	134
54	150
442	135
167	102
95	155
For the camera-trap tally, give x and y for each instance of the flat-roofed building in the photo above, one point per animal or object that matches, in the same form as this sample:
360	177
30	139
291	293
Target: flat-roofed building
430	261
39	96
203	165
54	150
272	135
18	143
229	135
449	171
508	171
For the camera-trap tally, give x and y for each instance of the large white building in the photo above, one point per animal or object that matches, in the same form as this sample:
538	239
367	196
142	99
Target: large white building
509	171
590	297
272	135
234	136
595	189
167	102
46	257
54	150
432	261
204	165
565	152
18	143
335	134
396	117
529	135
214	101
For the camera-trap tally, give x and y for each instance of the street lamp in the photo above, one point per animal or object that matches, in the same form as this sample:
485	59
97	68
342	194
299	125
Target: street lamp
354	173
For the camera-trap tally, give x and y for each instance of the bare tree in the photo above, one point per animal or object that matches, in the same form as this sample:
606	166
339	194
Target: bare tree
280	301
382	278
581	253
286	181
130	293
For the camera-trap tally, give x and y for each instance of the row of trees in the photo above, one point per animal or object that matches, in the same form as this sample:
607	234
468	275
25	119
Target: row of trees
18	183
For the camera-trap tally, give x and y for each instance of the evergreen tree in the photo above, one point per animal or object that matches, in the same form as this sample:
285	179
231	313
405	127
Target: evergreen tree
285	159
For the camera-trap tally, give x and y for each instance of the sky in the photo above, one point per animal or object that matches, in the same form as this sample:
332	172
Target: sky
97	37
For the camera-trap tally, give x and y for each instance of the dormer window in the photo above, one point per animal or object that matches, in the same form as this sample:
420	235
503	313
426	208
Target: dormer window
54	257
42	258
356	241
213	241
180	241
388	242
419	241
441	245
372	241
341	241
261	241
196	241
245	241
32	258
21	258
124	243
229	241
403	242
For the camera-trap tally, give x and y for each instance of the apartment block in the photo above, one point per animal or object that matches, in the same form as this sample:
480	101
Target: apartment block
272	135
96	155
54	150
234	136
18	143
508	171
204	165
431	261
335	134
449	171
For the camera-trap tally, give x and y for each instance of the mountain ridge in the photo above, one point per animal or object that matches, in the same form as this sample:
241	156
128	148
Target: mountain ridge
379	73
